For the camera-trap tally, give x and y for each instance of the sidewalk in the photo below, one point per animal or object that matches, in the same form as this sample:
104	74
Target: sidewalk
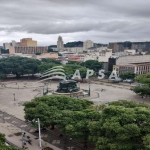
10	133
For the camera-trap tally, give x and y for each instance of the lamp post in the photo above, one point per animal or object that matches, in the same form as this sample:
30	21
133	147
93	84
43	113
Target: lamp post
3	117
70	144
39	134
89	89
22	137
14	96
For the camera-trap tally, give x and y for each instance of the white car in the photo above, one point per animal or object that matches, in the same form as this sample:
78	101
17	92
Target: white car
128	80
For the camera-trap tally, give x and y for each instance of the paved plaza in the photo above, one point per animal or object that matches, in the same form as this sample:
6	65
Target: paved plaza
14	94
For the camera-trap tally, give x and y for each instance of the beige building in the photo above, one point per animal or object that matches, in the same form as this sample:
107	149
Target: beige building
88	44
48	55
74	49
137	68
124	60
28	42
27	49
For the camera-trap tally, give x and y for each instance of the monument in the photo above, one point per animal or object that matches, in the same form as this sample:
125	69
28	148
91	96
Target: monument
68	87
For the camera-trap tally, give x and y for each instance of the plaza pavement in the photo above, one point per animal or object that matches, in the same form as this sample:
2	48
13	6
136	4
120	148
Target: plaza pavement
10	133
110	93
100	94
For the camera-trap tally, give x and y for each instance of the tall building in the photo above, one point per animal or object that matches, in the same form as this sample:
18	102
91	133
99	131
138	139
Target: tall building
88	44
138	46
13	43
28	42
60	43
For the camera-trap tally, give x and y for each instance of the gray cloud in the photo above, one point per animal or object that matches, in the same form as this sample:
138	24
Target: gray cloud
98	20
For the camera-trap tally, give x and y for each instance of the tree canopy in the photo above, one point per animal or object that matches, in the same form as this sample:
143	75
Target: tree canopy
123	125
49	108
128	75
3	146
93	64
18	66
143	89
120	125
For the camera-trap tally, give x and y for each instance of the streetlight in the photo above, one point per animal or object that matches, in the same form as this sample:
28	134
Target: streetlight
14	96
3	117
39	133
70	144
22	137
89	89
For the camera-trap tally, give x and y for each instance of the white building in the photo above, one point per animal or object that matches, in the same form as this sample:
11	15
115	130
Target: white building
101	56
130	52
74	49
132	59
104	55
88	44
60	43
13	43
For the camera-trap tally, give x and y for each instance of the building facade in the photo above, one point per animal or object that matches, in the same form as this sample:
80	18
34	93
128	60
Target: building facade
13	43
27	49
74	49
88	44
60	43
28	42
48	55
138	46
139	68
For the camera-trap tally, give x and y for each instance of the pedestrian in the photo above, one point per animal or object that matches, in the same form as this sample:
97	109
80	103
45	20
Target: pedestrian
29	141
24	134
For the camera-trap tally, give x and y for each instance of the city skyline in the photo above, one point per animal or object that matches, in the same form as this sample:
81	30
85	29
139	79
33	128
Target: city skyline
99	21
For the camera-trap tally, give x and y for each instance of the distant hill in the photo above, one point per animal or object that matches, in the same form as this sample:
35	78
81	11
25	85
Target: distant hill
53	46
78	44
100	45
74	44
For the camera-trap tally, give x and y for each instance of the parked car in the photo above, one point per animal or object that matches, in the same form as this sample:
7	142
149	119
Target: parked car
115	80
140	84
128	81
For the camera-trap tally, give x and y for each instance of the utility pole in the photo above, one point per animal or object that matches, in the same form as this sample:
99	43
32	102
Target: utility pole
39	134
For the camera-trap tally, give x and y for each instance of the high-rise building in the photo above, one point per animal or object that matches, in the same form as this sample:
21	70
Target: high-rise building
60	43
28	42
88	44
13	43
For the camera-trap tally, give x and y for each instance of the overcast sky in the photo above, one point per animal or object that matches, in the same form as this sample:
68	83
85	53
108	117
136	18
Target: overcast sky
101	21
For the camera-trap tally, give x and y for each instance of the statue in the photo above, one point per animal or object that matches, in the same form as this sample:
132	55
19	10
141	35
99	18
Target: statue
67	86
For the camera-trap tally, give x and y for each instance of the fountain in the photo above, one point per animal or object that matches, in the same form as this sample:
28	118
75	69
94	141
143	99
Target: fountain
69	88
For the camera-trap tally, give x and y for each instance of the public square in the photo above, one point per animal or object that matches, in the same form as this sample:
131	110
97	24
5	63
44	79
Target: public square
15	93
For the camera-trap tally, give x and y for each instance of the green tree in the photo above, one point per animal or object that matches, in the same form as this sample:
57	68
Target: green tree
3	146
108	73
142	90
50	60
83	72
18	66
2	76
128	75
75	124
50	49
93	64
122	125
49	108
